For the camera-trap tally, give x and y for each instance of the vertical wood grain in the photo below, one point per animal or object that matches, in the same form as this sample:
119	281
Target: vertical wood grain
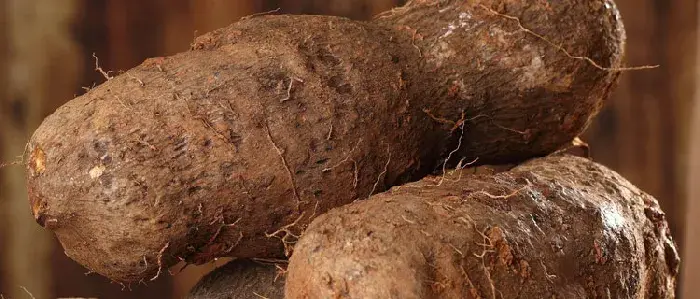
179	29
690	260
213	14
4	225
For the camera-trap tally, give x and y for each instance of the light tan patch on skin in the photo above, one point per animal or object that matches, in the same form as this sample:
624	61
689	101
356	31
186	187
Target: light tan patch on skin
37	161
96	171
36	207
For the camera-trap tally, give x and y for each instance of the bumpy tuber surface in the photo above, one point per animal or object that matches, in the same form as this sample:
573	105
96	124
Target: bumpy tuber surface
230	149
556	227
241	279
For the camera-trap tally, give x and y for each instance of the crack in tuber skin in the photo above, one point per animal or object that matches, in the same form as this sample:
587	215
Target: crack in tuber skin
163	160
555	227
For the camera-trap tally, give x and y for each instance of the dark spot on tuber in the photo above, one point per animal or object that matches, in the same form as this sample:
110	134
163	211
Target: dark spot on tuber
273	79
40	219
337	83
193	190
326	57
192	231
672	259
235	139
226	169
106	180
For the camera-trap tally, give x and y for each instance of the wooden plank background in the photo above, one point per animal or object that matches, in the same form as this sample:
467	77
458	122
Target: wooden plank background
691	260
46	51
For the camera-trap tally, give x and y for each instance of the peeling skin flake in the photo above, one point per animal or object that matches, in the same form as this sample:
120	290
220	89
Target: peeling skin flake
96	171
460	24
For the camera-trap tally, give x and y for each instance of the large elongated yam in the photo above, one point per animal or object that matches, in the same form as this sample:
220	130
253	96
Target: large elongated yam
240	142
224	144
557	227
241	279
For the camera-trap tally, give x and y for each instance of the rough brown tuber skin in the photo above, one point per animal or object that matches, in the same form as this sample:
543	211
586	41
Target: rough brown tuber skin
529	75
240	142
556	227
240	279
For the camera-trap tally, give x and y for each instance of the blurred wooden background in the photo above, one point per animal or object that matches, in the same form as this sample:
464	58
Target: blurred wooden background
46	49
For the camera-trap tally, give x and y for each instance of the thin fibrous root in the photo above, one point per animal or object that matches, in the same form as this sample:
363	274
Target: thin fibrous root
289	89
457	250
20	159
99	69
221	227
287	233
330	133
505	196
269	261
280	152
238	241
561	49
280	272
413	41
347	158
524	133
488	277
461	165
160	261
145	267
3	165
455	124
549	277
487	245
473	290
136	79
27	291
315	210
379	178
356	171
261	14
438	118
449	156
260	296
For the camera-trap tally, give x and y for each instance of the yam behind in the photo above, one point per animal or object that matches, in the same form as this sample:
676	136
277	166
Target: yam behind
241	279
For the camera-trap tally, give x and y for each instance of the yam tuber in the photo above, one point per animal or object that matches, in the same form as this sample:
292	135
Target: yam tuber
241	279
556	227
231	148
